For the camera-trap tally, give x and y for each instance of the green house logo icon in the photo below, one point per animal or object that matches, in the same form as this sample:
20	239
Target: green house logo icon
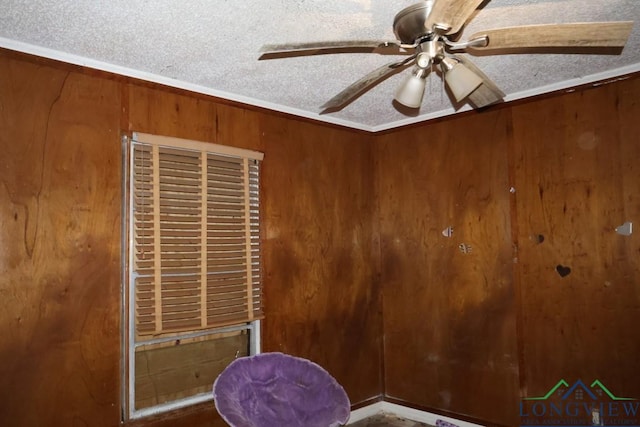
579	405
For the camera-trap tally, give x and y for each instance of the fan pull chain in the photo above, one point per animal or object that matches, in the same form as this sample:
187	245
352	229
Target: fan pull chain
442	88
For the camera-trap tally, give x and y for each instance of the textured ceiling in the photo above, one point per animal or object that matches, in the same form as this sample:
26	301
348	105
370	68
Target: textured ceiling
212	46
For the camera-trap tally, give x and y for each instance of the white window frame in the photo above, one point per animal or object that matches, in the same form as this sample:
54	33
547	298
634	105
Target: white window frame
128	340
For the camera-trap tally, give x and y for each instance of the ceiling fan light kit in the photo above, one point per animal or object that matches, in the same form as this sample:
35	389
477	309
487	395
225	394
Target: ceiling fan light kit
423	30
460	79
411	91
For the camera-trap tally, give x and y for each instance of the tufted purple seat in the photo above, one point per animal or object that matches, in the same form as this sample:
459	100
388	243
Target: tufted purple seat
279	390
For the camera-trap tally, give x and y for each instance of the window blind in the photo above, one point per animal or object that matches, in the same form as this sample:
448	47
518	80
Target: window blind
196	238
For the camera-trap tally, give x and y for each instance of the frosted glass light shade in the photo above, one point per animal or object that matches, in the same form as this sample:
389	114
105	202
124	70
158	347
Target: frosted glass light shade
462	81
411	91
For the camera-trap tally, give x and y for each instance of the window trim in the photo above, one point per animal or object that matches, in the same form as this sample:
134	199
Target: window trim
128	306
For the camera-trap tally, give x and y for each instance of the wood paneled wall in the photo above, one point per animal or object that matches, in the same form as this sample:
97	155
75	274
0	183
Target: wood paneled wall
60	247
60	219
355	259
576	167
449	309
536	189
322	297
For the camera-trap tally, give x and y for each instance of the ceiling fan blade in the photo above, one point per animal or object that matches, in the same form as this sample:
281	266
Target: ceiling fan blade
487	93
574	35
451	13
273	51
352	91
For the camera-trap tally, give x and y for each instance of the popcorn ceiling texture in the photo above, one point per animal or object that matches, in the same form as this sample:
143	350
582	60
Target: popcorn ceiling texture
211	46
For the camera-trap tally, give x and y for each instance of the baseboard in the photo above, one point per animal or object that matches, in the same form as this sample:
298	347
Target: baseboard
365	412
404	412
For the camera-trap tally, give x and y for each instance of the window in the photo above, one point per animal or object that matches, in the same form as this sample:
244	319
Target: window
193	296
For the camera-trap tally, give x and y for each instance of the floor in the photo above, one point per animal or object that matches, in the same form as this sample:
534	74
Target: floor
385	420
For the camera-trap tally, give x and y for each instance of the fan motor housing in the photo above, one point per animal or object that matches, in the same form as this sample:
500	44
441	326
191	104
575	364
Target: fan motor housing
408	24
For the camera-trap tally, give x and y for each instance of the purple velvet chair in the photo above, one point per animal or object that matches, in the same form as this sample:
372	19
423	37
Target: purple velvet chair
279	390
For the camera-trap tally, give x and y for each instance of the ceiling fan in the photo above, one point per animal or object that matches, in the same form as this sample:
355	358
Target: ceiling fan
427	34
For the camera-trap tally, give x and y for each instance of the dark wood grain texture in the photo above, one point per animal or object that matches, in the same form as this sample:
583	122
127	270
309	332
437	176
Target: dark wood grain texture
321	298
60	225
60	262
355	261
449	310
577	178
